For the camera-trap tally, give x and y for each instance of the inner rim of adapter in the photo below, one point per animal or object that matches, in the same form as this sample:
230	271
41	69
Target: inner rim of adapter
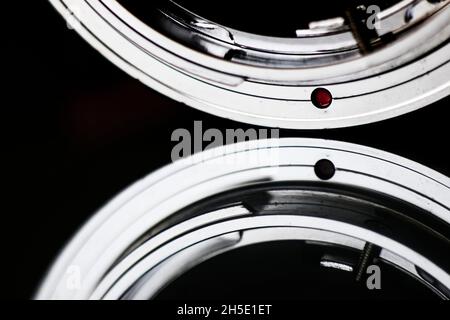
379	213
291	270
280	19
286	35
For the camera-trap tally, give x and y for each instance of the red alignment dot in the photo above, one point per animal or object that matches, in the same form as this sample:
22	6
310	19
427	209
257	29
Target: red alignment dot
321	98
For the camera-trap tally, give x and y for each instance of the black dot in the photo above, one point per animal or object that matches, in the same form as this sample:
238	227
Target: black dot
325	169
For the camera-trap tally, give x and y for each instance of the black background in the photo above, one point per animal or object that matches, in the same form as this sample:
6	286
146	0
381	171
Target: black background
76	131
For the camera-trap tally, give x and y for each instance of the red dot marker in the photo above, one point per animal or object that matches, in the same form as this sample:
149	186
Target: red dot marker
321	98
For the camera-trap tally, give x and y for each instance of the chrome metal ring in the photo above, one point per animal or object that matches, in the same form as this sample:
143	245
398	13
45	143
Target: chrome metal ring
401	66
313	191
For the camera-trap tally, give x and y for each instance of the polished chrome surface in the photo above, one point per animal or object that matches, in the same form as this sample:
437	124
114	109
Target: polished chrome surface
401	66
152	233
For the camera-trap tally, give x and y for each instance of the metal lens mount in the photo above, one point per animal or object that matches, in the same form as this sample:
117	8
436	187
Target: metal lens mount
376	62
346	207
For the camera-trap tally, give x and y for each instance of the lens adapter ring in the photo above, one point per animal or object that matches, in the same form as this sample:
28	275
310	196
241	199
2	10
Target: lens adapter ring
398	77
171	220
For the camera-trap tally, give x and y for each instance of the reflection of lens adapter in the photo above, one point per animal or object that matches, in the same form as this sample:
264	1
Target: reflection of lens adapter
320	213
375	63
